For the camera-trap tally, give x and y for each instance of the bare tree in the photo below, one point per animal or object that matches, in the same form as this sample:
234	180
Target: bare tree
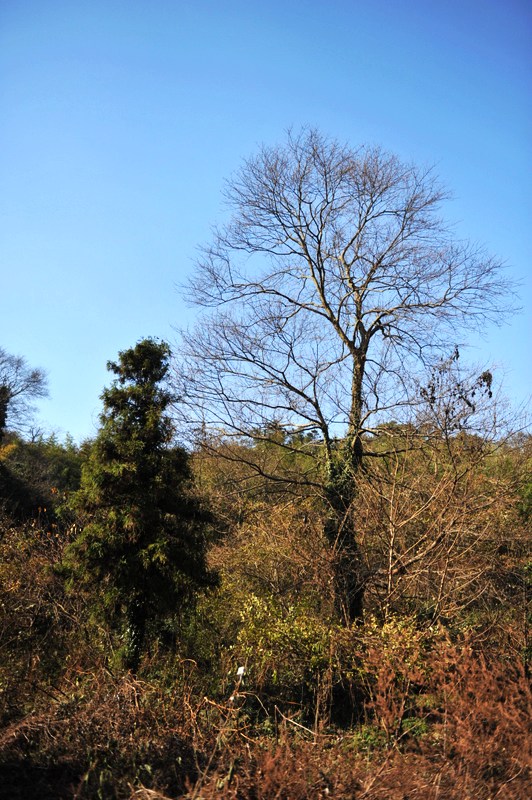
332	288
19	386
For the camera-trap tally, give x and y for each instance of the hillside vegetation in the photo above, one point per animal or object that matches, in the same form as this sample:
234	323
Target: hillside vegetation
247	682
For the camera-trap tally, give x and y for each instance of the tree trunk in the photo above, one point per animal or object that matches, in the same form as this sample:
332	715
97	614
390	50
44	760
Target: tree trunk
340	494
135	635
5	397
341	534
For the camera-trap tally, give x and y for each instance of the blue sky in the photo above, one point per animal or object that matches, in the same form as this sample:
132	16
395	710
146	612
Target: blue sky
120	121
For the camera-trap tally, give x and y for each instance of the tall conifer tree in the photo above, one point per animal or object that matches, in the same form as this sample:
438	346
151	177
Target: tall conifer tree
143	529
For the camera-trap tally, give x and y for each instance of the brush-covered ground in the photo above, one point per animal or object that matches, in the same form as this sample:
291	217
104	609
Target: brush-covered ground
419	699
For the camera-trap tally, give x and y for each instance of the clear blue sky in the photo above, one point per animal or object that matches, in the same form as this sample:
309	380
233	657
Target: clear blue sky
120	120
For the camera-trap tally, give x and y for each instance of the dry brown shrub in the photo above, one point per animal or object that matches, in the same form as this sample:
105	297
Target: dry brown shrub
484	720
476	707
309	771
118	737
37	621
105	735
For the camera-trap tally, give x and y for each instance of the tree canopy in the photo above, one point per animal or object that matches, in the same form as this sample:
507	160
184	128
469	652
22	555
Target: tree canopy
19	385
332	295
333	283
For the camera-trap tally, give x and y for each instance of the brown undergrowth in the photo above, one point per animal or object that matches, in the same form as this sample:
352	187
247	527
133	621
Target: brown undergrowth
466	737
100	736
461	734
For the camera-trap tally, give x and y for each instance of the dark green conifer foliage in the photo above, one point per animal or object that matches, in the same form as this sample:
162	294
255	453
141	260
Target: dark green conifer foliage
143	530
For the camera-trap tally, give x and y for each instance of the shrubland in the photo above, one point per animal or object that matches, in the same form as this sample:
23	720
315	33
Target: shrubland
426	696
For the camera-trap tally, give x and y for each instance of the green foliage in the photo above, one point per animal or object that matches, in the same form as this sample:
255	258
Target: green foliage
366	738
142	537
37	476
286	649
295	656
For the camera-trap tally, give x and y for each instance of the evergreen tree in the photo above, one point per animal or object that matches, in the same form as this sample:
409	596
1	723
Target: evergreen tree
142	528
